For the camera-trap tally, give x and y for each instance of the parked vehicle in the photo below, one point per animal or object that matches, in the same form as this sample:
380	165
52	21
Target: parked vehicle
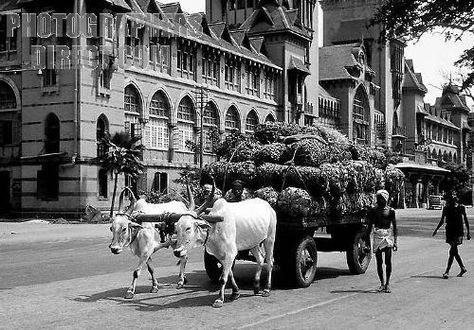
435	202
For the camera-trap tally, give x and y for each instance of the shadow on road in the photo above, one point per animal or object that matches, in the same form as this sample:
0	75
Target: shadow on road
196	293
355	291
327	272
428	276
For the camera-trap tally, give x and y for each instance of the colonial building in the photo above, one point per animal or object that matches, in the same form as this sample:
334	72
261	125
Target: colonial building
165	78
435	136
172	77
347	22
196	76
344	74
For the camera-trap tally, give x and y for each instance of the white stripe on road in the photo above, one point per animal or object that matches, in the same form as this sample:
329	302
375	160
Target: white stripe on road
298	310
330	301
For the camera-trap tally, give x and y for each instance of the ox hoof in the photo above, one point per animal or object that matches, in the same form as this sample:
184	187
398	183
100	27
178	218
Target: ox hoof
129	295
154	289
235	296
218	303
266	293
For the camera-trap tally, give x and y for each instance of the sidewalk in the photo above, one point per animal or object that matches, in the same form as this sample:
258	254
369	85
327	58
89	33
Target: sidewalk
42	231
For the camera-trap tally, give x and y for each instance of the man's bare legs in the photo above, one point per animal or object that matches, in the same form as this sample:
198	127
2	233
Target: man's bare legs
384	285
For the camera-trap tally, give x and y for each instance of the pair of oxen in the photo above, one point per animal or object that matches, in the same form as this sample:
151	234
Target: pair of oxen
225	230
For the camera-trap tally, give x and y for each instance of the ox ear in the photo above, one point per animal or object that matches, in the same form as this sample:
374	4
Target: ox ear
202	224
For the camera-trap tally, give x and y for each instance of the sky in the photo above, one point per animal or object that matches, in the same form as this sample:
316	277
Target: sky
432	56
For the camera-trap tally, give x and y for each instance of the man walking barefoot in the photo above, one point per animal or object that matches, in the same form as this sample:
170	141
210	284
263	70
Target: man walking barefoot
454	214
382	219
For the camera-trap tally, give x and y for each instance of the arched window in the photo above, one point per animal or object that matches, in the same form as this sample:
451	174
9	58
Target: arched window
133	108
270	119
360	117
52	134
232	120
210	122
7	97
157	130
101	132
251	122
186	122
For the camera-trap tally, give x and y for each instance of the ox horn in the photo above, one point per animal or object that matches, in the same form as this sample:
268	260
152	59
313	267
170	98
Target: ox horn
210	199
132	197
192	205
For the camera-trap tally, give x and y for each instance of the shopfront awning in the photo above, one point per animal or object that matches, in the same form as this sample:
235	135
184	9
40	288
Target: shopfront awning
422	168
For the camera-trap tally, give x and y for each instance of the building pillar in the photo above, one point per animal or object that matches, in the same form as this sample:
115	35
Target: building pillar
174	57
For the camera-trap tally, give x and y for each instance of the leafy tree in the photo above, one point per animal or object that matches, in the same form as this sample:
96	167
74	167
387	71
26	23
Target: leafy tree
457	180
413	18
122	156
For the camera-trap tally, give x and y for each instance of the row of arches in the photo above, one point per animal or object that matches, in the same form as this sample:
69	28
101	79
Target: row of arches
444	156
160	105
160	119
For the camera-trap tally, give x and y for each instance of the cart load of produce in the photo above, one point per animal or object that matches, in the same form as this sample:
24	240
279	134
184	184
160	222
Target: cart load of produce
303	171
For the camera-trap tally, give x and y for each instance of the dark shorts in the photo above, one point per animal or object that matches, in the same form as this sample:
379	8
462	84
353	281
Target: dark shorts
454	240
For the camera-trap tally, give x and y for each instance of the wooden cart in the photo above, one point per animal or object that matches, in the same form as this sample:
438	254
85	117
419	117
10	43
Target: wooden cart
297	245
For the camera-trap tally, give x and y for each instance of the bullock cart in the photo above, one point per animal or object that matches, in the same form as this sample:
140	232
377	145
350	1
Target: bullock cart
299	240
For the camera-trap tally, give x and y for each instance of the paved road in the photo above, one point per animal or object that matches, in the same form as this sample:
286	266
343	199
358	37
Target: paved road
63	276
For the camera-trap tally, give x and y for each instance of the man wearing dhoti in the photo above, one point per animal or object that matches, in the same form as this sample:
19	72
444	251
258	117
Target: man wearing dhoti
382	219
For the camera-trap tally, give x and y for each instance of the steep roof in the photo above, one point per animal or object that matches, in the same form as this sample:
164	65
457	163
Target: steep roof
451	98
412	79
334	62
272	17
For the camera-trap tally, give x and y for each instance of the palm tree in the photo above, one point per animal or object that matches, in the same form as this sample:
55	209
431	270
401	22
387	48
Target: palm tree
121	155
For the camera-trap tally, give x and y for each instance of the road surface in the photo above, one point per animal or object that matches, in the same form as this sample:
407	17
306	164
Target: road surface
64	276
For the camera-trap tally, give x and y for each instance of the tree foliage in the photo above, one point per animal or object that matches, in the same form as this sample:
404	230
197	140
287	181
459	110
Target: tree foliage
121	155
413	18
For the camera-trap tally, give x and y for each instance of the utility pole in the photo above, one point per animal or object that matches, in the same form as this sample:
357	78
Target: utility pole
201	97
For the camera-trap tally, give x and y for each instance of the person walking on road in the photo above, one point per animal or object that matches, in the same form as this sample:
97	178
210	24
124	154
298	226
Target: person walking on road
382	219
454	214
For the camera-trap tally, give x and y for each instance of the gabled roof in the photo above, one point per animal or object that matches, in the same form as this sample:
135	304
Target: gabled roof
272	17
257	43
334	62
413	80
451	98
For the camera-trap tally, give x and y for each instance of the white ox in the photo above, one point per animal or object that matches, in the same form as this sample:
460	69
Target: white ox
143	239
246	225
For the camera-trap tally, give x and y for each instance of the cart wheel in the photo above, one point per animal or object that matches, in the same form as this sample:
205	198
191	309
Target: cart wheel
358	260
305	261
213	267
